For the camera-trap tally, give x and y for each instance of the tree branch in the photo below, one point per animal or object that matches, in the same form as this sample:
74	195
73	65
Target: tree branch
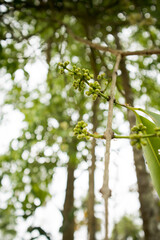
108	134
141	52
115	52
90	43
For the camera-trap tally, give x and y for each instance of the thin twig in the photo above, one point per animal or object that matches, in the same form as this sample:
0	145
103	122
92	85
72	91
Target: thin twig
108	134
136	136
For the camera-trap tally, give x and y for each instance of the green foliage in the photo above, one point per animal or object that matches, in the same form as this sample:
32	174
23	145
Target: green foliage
7	224
155	117
126	228
41	232
151	151
31	159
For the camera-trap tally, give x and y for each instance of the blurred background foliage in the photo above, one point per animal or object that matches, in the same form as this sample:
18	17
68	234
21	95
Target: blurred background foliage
46	31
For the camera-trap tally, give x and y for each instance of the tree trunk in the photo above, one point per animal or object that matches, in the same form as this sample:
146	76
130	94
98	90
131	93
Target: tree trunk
68	211
148	204
67	227
91	194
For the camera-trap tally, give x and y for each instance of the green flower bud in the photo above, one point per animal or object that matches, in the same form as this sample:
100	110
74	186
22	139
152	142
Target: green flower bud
133	142
79	136
61	71
91	85
138	146
142	127
143	142
87	93
96	84
157	129
79	74
158	134
87	137
94	97
101	76
91	76
97	91
134	129
140	134
60	64
66	63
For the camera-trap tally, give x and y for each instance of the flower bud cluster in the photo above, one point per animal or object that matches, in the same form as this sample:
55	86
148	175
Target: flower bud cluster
94	90
137	136
80	130
81	76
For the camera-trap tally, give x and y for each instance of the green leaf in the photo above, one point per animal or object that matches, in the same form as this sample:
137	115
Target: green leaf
154	116
151	152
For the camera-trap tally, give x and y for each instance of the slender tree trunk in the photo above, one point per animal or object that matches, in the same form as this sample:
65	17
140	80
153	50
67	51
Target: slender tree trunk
67	227
91	194
148	204
68	211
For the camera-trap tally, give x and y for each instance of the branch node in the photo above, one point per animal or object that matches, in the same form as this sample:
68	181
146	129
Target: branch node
105	193
109	98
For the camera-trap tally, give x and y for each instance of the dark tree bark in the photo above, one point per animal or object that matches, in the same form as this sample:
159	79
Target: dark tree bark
68	211
67	227
148	204
91	193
